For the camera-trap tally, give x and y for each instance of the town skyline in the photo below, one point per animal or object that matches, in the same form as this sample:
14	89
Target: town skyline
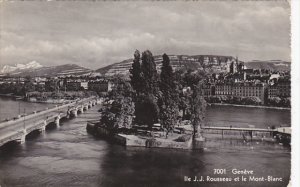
57	33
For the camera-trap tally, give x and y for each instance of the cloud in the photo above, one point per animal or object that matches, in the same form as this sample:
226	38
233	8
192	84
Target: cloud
94	34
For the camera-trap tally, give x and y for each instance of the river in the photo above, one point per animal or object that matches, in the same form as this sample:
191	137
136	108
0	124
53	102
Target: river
68	156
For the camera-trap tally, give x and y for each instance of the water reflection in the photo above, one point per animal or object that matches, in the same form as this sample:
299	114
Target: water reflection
159	167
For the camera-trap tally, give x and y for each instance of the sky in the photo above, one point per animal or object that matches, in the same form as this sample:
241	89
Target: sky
94	34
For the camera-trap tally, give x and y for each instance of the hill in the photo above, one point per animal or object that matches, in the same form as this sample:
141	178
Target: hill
275	65
216	63
219	63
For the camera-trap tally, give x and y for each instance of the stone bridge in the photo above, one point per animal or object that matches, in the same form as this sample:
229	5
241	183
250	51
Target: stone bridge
18	129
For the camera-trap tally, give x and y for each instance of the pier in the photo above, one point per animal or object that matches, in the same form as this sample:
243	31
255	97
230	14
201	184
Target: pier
284	132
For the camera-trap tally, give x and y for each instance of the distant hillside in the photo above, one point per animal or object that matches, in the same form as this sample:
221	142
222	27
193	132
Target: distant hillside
216	63
275	65
177	61
61	70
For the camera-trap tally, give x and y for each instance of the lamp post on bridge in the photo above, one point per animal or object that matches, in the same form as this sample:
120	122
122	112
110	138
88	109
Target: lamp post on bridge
24	120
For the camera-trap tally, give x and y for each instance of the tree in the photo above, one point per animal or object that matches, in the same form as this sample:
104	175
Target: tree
169	99
285	102
191	79
275	101
146	110
40	88
251	101
135	71
28	85
198	109
149	74
119	109
51	85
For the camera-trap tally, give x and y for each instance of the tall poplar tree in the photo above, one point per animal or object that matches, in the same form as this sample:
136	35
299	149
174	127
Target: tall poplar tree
149	73
198	109
135	71
144	80
169	99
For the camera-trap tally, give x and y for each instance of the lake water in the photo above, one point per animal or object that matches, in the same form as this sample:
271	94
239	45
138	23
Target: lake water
68	156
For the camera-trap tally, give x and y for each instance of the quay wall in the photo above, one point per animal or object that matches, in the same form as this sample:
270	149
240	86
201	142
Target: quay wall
138	141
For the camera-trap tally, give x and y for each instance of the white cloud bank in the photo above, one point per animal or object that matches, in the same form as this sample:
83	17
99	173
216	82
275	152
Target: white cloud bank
94	34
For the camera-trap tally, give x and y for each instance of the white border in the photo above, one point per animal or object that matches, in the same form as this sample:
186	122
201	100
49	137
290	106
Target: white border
295	175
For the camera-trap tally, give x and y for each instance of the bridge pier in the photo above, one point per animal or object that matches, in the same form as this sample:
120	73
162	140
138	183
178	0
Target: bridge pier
68	113
43	128
81	109
74	112
23	137
251	134
85	107
57	121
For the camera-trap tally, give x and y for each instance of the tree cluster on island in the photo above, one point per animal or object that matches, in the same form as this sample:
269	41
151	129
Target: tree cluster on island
149	98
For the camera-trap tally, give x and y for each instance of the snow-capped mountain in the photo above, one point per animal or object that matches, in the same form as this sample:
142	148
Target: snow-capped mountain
35	69
30	65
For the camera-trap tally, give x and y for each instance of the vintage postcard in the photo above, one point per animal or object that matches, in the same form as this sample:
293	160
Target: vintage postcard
145	93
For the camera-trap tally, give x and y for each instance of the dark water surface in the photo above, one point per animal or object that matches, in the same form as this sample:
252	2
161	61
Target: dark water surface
10	108
68	156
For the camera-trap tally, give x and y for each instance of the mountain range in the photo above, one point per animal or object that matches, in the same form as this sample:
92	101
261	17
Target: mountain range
192	62
35	69
275	65
20	67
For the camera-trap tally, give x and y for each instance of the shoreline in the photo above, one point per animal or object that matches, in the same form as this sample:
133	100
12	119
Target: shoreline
250	106
133	140
12	96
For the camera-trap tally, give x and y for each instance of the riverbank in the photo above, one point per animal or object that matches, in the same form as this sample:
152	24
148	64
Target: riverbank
17	97
249	106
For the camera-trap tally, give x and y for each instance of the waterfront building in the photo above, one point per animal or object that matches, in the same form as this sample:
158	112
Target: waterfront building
208	90
100	86
239	89
73	86
284	88
281	88
272	91
223	89
84	85
250	89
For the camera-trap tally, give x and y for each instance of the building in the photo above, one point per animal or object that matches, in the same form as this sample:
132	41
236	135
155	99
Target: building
223	89
272	91
84	85
73	86
250	89
100	86
282	88
241	89
208	90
